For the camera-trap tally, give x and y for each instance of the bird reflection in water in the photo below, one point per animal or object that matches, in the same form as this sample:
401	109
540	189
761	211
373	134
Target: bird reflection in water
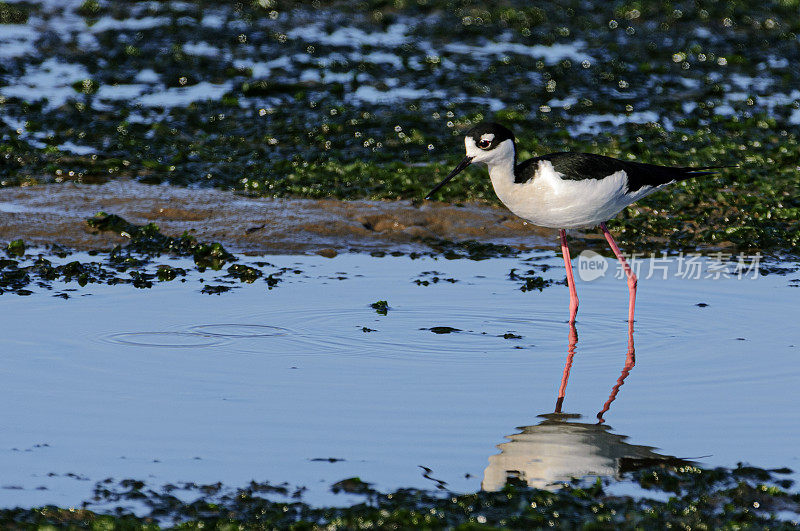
559	448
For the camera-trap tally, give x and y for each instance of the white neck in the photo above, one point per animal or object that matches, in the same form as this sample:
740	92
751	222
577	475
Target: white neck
502	176
501	164
501	161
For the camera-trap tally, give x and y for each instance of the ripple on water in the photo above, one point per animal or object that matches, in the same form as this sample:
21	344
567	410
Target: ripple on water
406	333
234	330
166	339
403	333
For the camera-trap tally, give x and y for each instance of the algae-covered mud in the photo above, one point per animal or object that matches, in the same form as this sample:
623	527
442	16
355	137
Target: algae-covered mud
367	99
745	497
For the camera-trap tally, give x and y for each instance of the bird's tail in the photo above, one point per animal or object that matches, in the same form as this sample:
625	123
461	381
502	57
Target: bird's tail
702	170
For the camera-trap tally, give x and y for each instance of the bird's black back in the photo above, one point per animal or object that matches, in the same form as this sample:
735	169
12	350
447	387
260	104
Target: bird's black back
579	166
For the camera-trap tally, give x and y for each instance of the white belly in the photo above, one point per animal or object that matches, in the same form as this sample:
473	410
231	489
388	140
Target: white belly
548	200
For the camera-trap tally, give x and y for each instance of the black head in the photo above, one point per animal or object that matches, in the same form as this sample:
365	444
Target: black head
480	141
487	135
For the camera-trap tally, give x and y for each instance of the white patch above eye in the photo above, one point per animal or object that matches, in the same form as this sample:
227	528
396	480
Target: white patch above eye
487	136
500	153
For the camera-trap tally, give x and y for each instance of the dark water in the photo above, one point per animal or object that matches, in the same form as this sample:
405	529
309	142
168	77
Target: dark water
169	384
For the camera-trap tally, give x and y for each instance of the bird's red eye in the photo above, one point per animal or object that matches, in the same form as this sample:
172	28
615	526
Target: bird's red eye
483	144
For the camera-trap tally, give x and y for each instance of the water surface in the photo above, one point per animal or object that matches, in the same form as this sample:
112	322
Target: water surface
169	384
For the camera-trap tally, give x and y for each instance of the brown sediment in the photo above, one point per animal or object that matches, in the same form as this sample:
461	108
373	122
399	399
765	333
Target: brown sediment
56	213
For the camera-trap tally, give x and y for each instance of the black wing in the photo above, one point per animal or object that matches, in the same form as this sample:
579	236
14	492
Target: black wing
579	166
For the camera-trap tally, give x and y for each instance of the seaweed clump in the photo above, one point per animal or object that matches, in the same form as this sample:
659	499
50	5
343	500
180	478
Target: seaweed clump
739	498
470	249
17	275
124	264
148	240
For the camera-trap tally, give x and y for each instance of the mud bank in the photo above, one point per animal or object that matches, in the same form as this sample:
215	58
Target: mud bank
47	214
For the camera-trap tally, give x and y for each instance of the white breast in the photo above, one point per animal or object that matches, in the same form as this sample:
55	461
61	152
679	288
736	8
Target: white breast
548	200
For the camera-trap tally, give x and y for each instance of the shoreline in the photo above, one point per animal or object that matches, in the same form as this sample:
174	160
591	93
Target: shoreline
57	213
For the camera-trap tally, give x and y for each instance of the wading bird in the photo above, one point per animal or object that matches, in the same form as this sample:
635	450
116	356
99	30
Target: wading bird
566	190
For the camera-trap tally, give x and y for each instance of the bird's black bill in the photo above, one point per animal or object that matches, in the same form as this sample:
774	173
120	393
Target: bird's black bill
461	165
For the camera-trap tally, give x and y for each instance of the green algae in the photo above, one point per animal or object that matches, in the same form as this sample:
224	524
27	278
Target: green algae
16	276
86	86
380	307
685	497
16	248
529	280
215	290
244	273
470	249
167	273
148	240
13	13
354	485
131	264
426	278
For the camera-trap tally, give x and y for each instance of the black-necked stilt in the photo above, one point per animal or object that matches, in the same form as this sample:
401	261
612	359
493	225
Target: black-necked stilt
566	190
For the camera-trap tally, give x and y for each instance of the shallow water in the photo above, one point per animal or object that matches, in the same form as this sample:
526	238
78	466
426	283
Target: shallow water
169	384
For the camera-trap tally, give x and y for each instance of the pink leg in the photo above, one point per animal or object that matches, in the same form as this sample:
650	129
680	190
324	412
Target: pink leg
573	294
562	390
630	361
632	281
